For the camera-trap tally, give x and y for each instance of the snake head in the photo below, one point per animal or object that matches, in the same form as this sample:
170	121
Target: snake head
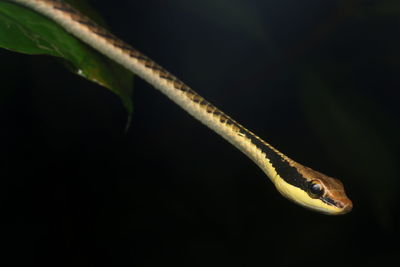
315	191
330	192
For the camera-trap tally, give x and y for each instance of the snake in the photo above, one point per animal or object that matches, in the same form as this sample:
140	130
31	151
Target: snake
303	185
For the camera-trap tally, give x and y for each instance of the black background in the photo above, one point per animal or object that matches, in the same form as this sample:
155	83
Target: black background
317	79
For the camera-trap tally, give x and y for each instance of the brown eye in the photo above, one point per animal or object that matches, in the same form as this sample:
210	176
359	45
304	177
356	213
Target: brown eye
315	189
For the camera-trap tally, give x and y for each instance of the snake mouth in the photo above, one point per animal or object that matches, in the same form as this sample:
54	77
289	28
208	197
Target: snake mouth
344	206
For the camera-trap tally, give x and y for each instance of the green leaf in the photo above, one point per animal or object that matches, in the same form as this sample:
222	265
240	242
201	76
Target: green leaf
25	31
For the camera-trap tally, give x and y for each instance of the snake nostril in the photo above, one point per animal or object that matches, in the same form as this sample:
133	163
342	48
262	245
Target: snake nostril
347	206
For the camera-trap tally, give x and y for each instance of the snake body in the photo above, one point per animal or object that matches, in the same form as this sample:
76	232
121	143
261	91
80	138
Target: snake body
296	182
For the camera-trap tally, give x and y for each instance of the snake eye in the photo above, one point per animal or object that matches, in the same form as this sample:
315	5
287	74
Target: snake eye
315	189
